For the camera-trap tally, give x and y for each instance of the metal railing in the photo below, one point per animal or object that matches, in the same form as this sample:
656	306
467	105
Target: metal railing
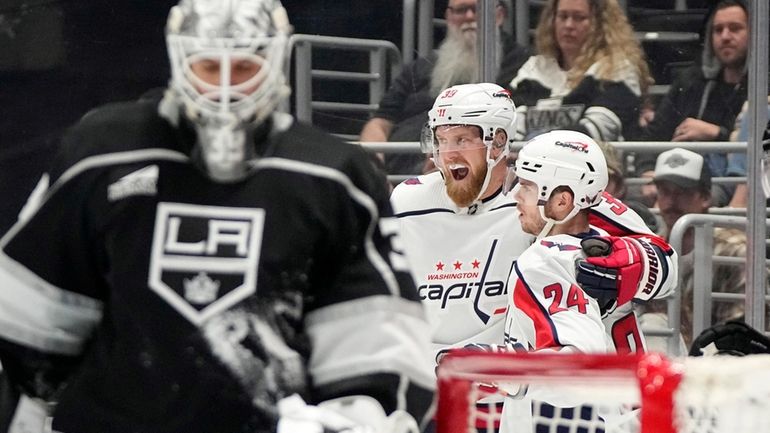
384	62
702	262
702	147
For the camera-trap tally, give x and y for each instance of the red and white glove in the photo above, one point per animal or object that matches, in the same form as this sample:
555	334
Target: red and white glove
622	268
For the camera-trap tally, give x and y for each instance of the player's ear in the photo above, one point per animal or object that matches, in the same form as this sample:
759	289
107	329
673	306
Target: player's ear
563	197
499	141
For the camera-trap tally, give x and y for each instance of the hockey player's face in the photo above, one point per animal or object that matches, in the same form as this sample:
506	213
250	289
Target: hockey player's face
463	158
572	22
212	72
526	195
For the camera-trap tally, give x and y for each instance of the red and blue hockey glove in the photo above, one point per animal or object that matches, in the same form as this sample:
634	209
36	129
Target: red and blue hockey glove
621	268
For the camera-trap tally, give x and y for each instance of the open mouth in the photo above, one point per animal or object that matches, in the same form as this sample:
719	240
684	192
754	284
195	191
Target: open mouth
458	171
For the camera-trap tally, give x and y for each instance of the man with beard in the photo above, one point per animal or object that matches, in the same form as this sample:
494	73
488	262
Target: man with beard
470	132
703	103
462	235
402	111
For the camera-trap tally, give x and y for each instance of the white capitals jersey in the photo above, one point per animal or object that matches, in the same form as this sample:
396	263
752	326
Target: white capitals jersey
549	310
460	258
453	251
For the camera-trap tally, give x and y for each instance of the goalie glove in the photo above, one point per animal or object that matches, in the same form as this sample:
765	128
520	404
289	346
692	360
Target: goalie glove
731	338
620	268
350	414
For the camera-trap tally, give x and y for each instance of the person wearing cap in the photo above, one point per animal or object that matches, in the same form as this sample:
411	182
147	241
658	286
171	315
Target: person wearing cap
683	180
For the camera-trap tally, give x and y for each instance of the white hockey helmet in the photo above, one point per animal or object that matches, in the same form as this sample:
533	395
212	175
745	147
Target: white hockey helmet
226	35
484	105
563	158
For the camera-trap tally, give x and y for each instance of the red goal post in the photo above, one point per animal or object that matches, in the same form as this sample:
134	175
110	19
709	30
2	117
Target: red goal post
718	394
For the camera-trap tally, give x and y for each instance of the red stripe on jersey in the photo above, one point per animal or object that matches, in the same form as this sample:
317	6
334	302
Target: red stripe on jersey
525	300
500	311
597	221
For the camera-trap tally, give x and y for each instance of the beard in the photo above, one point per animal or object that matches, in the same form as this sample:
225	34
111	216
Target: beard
464	192
456	59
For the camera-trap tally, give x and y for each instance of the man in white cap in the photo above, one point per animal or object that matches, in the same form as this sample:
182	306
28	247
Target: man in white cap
683	181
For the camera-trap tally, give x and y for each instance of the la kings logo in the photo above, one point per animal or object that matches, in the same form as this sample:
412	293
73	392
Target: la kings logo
205	258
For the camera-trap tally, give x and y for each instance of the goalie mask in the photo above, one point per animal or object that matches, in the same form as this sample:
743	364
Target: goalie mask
226	75
555	159
486	107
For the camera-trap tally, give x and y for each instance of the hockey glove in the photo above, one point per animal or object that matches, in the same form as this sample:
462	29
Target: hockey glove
350	414
617	268
731	338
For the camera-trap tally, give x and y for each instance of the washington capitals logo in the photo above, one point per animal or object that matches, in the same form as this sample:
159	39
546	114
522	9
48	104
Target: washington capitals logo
465	281
561	247
580	147
502	94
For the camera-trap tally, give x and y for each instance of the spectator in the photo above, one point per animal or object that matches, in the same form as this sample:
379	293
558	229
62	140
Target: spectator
201	261
683	181
683	184
736	162
403	110
703	102
589	73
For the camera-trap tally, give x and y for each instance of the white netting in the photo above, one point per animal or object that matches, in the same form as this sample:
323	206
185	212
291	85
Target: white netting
633	393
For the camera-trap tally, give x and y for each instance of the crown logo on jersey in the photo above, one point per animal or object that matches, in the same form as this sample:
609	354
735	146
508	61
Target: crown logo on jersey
201	289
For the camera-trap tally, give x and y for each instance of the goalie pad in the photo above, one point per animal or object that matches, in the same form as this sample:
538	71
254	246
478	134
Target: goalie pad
731	338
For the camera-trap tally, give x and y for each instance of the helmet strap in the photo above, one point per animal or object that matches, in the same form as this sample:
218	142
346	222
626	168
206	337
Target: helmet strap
491	163
550	222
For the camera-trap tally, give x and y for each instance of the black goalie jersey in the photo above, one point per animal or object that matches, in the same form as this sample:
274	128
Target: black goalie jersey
144	297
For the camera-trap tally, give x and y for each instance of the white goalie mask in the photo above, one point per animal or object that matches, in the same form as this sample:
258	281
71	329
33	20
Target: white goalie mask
227	60
486	106
561	158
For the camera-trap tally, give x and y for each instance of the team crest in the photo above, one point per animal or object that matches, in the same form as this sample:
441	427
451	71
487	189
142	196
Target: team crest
560	246
205	258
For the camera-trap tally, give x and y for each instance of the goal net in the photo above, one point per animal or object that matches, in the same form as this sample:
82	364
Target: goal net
580	393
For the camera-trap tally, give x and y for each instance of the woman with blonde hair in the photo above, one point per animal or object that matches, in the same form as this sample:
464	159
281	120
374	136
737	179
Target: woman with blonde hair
589	73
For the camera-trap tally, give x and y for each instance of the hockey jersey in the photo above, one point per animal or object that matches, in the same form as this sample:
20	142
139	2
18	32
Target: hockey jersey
549	310
170	303
461	258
